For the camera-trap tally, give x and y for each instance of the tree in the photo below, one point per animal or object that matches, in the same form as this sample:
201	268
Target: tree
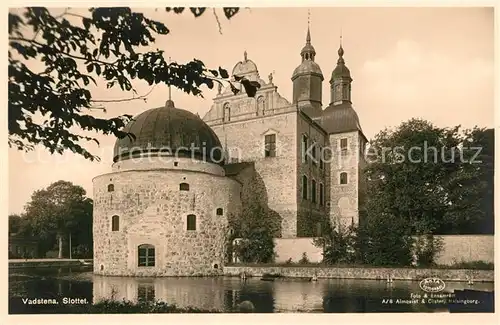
471	203
59	209
339	245
15	222
107	45
420	182
256	234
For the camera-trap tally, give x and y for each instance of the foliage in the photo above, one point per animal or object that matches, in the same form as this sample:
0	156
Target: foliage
256	247
304	259
339	245
15	222
58	210
105	307
80	51
253	230
384	240
422	180
424	175
426	248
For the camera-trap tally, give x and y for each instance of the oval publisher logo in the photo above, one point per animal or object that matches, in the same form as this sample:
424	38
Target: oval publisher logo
432	285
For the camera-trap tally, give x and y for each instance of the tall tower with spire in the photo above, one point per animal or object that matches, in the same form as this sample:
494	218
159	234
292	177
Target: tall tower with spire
307	81
340	82
345	180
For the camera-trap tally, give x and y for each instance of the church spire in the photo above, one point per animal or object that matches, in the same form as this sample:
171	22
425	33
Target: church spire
340	83
308	52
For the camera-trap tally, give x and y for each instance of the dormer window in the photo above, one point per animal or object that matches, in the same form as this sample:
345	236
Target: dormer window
184	186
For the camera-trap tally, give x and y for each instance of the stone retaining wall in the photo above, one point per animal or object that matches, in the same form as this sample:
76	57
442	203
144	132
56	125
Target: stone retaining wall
363	273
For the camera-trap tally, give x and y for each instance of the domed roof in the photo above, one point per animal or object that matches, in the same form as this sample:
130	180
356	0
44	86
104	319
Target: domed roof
308	48
171	131
341	71
245	67
340	118
306	67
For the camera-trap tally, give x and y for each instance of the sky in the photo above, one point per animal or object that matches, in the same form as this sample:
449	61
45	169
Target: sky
430	63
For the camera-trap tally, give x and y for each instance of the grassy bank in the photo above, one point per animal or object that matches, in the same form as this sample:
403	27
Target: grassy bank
16	306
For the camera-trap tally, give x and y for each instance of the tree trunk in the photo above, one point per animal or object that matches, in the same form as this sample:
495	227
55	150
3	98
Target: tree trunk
60	240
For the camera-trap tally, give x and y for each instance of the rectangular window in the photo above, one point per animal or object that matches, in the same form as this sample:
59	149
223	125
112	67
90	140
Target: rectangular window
304	187
321	195
146	255
321	163
191	222
343	145
270	145
313	191
304	148
315	154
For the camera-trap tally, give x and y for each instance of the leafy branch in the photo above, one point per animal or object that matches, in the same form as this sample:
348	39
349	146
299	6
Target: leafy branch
110	44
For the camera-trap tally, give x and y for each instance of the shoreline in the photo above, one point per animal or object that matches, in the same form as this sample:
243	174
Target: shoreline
303	271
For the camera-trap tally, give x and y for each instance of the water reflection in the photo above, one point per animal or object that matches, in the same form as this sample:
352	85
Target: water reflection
224	294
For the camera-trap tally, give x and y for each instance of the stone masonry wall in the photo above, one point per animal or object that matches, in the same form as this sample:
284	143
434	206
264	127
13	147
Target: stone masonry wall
312	215
245	142
343	199
152	210
363	273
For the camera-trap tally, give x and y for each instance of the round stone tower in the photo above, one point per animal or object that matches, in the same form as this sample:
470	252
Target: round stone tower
164	208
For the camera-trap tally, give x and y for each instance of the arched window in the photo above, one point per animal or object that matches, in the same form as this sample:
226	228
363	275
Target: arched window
261	106
111	188
115	223
343	178
184	186
191	222
226	114
146	255
304	187
219	211
313	191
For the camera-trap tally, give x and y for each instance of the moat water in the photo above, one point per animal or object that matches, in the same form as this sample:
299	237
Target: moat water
225	293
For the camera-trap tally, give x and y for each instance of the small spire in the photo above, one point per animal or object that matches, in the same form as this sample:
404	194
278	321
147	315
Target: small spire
169	86
308	37
245	56
341	50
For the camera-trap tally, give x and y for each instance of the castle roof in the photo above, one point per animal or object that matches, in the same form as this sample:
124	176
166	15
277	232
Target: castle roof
340	118
169	130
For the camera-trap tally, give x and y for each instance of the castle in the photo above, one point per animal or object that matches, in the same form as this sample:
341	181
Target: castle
160	213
